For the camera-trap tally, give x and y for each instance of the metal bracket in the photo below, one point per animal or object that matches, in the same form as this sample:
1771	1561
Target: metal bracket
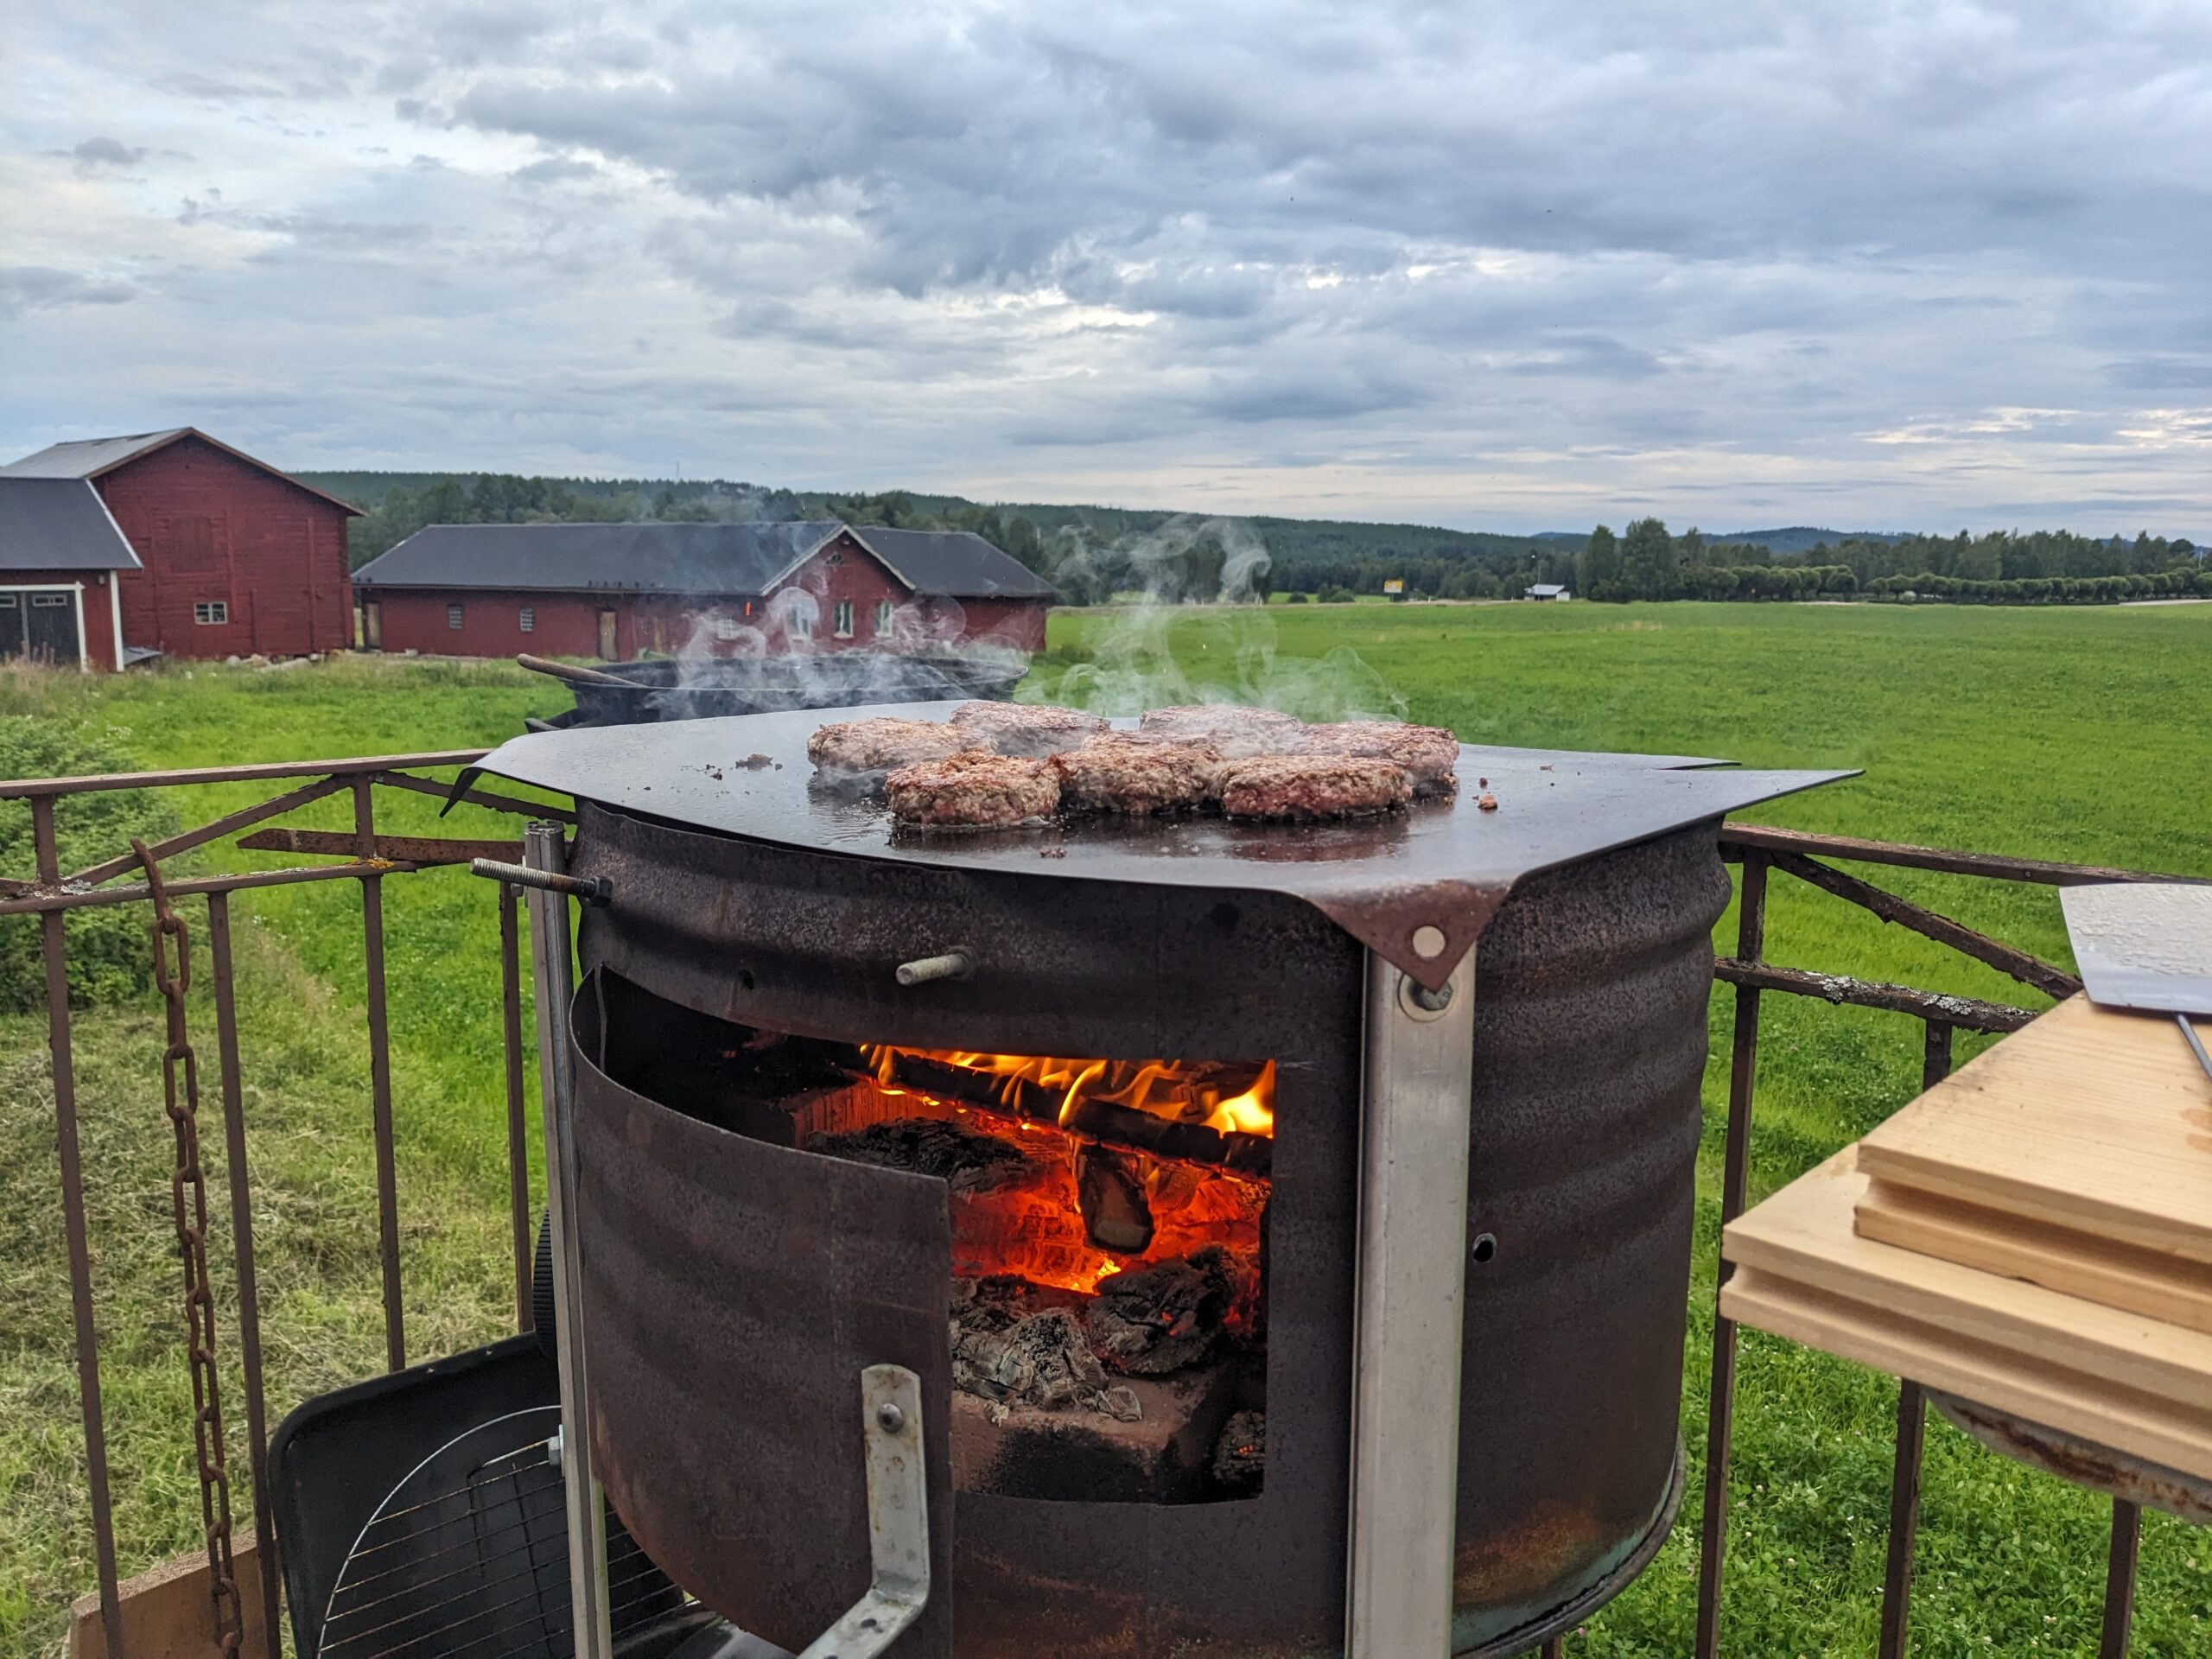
898	1519
1411	1281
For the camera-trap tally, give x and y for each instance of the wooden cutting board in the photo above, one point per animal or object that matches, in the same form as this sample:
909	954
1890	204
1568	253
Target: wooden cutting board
2076	1155
2120	1379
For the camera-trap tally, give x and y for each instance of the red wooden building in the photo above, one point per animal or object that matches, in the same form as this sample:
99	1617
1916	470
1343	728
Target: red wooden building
220	555
619	591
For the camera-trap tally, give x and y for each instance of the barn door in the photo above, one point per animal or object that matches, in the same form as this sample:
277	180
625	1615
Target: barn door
607	636
13	617
372	626
53	628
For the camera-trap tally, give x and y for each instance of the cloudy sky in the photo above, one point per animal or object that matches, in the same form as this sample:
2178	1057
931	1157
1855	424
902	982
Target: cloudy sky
1512	267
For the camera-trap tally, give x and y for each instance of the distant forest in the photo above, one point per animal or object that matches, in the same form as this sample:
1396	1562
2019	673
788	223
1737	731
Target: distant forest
1090	554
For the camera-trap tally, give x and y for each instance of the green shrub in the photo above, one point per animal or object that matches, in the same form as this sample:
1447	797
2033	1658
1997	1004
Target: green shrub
108	944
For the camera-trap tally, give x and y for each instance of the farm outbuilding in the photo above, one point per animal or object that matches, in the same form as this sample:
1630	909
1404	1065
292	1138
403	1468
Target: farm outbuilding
619	591
171	543
1551	591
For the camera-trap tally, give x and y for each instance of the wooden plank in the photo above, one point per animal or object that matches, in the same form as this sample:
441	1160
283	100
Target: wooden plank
2090	1119
2149	1283
1805	1234
2140	1425
168	1611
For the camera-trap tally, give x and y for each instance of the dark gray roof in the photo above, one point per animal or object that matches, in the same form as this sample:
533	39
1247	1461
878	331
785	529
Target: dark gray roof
653	558
956	562
683	558
87	457
59	524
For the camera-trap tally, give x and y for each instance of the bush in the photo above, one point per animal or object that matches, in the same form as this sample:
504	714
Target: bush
1294	599
108	944
1333	596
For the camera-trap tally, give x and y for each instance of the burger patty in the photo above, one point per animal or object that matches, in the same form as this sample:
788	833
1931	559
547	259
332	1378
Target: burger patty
1034	728
1427	753
865	745
973	789
1138	772
1237	732
1294	786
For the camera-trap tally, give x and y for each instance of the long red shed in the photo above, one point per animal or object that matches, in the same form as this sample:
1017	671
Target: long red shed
223	555
619	591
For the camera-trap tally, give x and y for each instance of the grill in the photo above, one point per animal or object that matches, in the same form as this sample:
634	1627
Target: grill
641	694
1365	1151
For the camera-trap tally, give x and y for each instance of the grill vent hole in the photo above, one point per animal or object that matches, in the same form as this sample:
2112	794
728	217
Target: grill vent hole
1485	1247
745	977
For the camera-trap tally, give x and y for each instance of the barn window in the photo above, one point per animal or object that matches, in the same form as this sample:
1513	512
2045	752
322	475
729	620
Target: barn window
453	616
836	558
48	601
7	601
844	619
883	610
725	626
528	621
212	612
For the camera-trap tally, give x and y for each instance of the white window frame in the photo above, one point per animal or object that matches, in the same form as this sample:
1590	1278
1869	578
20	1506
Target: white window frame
454	613
842	619
211	613
526	619
884	611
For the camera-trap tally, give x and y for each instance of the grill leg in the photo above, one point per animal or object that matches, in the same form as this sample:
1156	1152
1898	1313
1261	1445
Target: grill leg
1904	1519
1412	1281
2119	1579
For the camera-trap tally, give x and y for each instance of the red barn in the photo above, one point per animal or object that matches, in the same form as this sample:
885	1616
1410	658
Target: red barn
618	591
228	556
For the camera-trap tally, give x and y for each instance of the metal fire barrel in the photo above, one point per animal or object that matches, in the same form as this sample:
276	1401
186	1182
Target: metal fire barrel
730	1288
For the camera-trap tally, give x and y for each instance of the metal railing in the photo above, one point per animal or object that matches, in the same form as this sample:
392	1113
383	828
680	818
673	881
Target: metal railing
368	857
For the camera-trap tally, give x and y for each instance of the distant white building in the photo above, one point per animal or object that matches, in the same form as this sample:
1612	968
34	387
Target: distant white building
1546	590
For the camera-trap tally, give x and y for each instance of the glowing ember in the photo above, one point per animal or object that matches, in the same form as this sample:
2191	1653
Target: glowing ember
1221	1097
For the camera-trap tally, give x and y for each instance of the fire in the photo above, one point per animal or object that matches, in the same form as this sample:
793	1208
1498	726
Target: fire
1228	1097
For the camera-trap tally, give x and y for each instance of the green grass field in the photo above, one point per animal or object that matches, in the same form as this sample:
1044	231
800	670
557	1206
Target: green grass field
2081	734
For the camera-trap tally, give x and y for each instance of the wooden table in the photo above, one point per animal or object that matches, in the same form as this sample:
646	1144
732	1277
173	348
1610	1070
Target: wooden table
2057	1196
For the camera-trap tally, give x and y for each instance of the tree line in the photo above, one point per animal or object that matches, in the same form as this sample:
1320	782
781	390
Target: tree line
2044	566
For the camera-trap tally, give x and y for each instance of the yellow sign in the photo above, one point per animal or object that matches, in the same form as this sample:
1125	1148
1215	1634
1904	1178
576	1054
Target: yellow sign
1393	586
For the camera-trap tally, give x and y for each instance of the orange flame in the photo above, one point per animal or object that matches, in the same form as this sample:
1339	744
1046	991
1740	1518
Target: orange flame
1221	1096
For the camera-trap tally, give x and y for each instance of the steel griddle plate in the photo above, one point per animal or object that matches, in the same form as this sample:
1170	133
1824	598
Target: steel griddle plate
1443	863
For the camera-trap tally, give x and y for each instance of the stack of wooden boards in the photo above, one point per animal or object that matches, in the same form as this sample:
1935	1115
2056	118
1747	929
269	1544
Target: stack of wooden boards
2034	1233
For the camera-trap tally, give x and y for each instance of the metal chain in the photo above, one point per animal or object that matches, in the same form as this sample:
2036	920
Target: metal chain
188	1196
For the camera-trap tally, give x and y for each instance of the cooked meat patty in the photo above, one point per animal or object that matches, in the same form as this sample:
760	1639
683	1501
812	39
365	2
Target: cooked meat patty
1237	732
1312	786
1138	772
1428	754
1033	728
865	746
973	789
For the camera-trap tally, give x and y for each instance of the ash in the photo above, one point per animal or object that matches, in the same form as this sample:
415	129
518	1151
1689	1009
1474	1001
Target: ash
1011	1358
962	1159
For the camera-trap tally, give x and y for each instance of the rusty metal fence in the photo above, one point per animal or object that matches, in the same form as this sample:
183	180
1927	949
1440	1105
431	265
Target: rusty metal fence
368	857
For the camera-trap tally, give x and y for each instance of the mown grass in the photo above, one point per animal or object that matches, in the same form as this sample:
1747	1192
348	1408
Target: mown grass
2077	734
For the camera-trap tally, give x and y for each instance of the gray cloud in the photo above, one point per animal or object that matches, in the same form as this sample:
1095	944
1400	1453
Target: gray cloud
93	153
37	287
1492	267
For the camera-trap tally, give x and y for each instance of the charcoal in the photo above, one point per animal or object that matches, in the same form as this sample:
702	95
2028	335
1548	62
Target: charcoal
965	1160
1160	1317
1240	1456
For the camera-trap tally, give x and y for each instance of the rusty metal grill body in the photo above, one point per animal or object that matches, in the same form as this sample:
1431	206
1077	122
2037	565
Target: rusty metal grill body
1590	1039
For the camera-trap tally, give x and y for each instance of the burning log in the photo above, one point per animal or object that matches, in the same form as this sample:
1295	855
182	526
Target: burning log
1162	1318
1116	1215
1233	1150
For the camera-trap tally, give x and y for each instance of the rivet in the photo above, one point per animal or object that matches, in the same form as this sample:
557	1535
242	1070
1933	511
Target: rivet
889	1418
1429	942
